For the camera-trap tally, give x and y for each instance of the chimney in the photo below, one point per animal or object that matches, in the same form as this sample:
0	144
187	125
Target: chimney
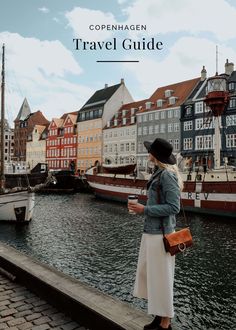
229	67
122	81
203	73
106	85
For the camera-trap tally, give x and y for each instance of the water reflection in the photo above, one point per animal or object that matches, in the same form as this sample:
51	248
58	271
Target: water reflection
98	243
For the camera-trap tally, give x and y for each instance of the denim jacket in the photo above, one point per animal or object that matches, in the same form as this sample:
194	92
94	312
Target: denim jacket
164	209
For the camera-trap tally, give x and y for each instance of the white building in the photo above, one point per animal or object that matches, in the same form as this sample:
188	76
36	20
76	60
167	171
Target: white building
36	146
120	136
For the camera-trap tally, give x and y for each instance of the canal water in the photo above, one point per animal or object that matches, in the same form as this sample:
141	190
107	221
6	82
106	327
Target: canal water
98	241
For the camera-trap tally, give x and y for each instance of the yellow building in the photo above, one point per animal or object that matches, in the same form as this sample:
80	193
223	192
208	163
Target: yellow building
36	146
92	118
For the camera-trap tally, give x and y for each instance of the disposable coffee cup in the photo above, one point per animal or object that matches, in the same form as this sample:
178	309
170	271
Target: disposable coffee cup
132	199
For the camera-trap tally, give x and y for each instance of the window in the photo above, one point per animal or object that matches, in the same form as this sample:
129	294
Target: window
159	103
139	119
163	128
140	131
144	117
199	107
188	111
122	147
150	130
203	123
145	130
132	146
163	115
170	128
188	143
124	121
168	92
132	111
176	127
156	129
172	99
151	116
232	86
115	122
231	120
176	144
170	113
127	147
132	120
156	115
188	125
231	140
203	142
232	102
176	113
148	105
140	147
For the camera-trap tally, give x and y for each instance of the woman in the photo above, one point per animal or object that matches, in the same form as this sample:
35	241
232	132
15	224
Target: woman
155	270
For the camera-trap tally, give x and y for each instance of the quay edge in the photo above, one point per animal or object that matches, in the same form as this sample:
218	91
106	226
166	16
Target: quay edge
82	303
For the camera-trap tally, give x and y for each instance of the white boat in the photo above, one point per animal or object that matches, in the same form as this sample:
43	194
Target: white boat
16	205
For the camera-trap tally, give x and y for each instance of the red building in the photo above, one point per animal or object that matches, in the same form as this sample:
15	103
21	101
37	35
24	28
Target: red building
61	143
24	125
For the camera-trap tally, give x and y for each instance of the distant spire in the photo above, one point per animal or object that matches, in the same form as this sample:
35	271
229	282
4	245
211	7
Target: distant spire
24	111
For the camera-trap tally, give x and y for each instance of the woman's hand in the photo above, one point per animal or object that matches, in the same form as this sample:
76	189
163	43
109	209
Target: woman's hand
137	208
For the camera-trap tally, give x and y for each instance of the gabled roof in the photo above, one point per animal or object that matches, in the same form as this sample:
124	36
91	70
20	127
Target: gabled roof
37	118
72	118
57	121
120	115
24	111
100	97
179	90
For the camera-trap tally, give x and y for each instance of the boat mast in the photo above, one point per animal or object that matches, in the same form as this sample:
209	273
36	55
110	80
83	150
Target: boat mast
2	174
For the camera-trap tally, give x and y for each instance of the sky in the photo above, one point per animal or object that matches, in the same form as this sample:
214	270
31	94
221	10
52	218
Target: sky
43	64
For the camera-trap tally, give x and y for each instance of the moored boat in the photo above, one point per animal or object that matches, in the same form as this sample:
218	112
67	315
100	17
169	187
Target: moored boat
206	190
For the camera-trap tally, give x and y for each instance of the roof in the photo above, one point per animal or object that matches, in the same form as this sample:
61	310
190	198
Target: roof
100	97
179	90
69	113
232	77
120	114
24	111
58	121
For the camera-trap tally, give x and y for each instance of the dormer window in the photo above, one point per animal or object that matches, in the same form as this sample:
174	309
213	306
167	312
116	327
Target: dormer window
124	121
159	103
123	113
148	105
172	99
132	120
132	111
115	122
168	92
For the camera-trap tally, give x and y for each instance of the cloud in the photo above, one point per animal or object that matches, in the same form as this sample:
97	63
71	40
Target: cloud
193	17
44	10
184	61
79	20
41	72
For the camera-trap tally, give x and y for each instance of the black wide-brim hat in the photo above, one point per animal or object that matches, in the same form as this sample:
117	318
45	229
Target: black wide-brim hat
161	150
